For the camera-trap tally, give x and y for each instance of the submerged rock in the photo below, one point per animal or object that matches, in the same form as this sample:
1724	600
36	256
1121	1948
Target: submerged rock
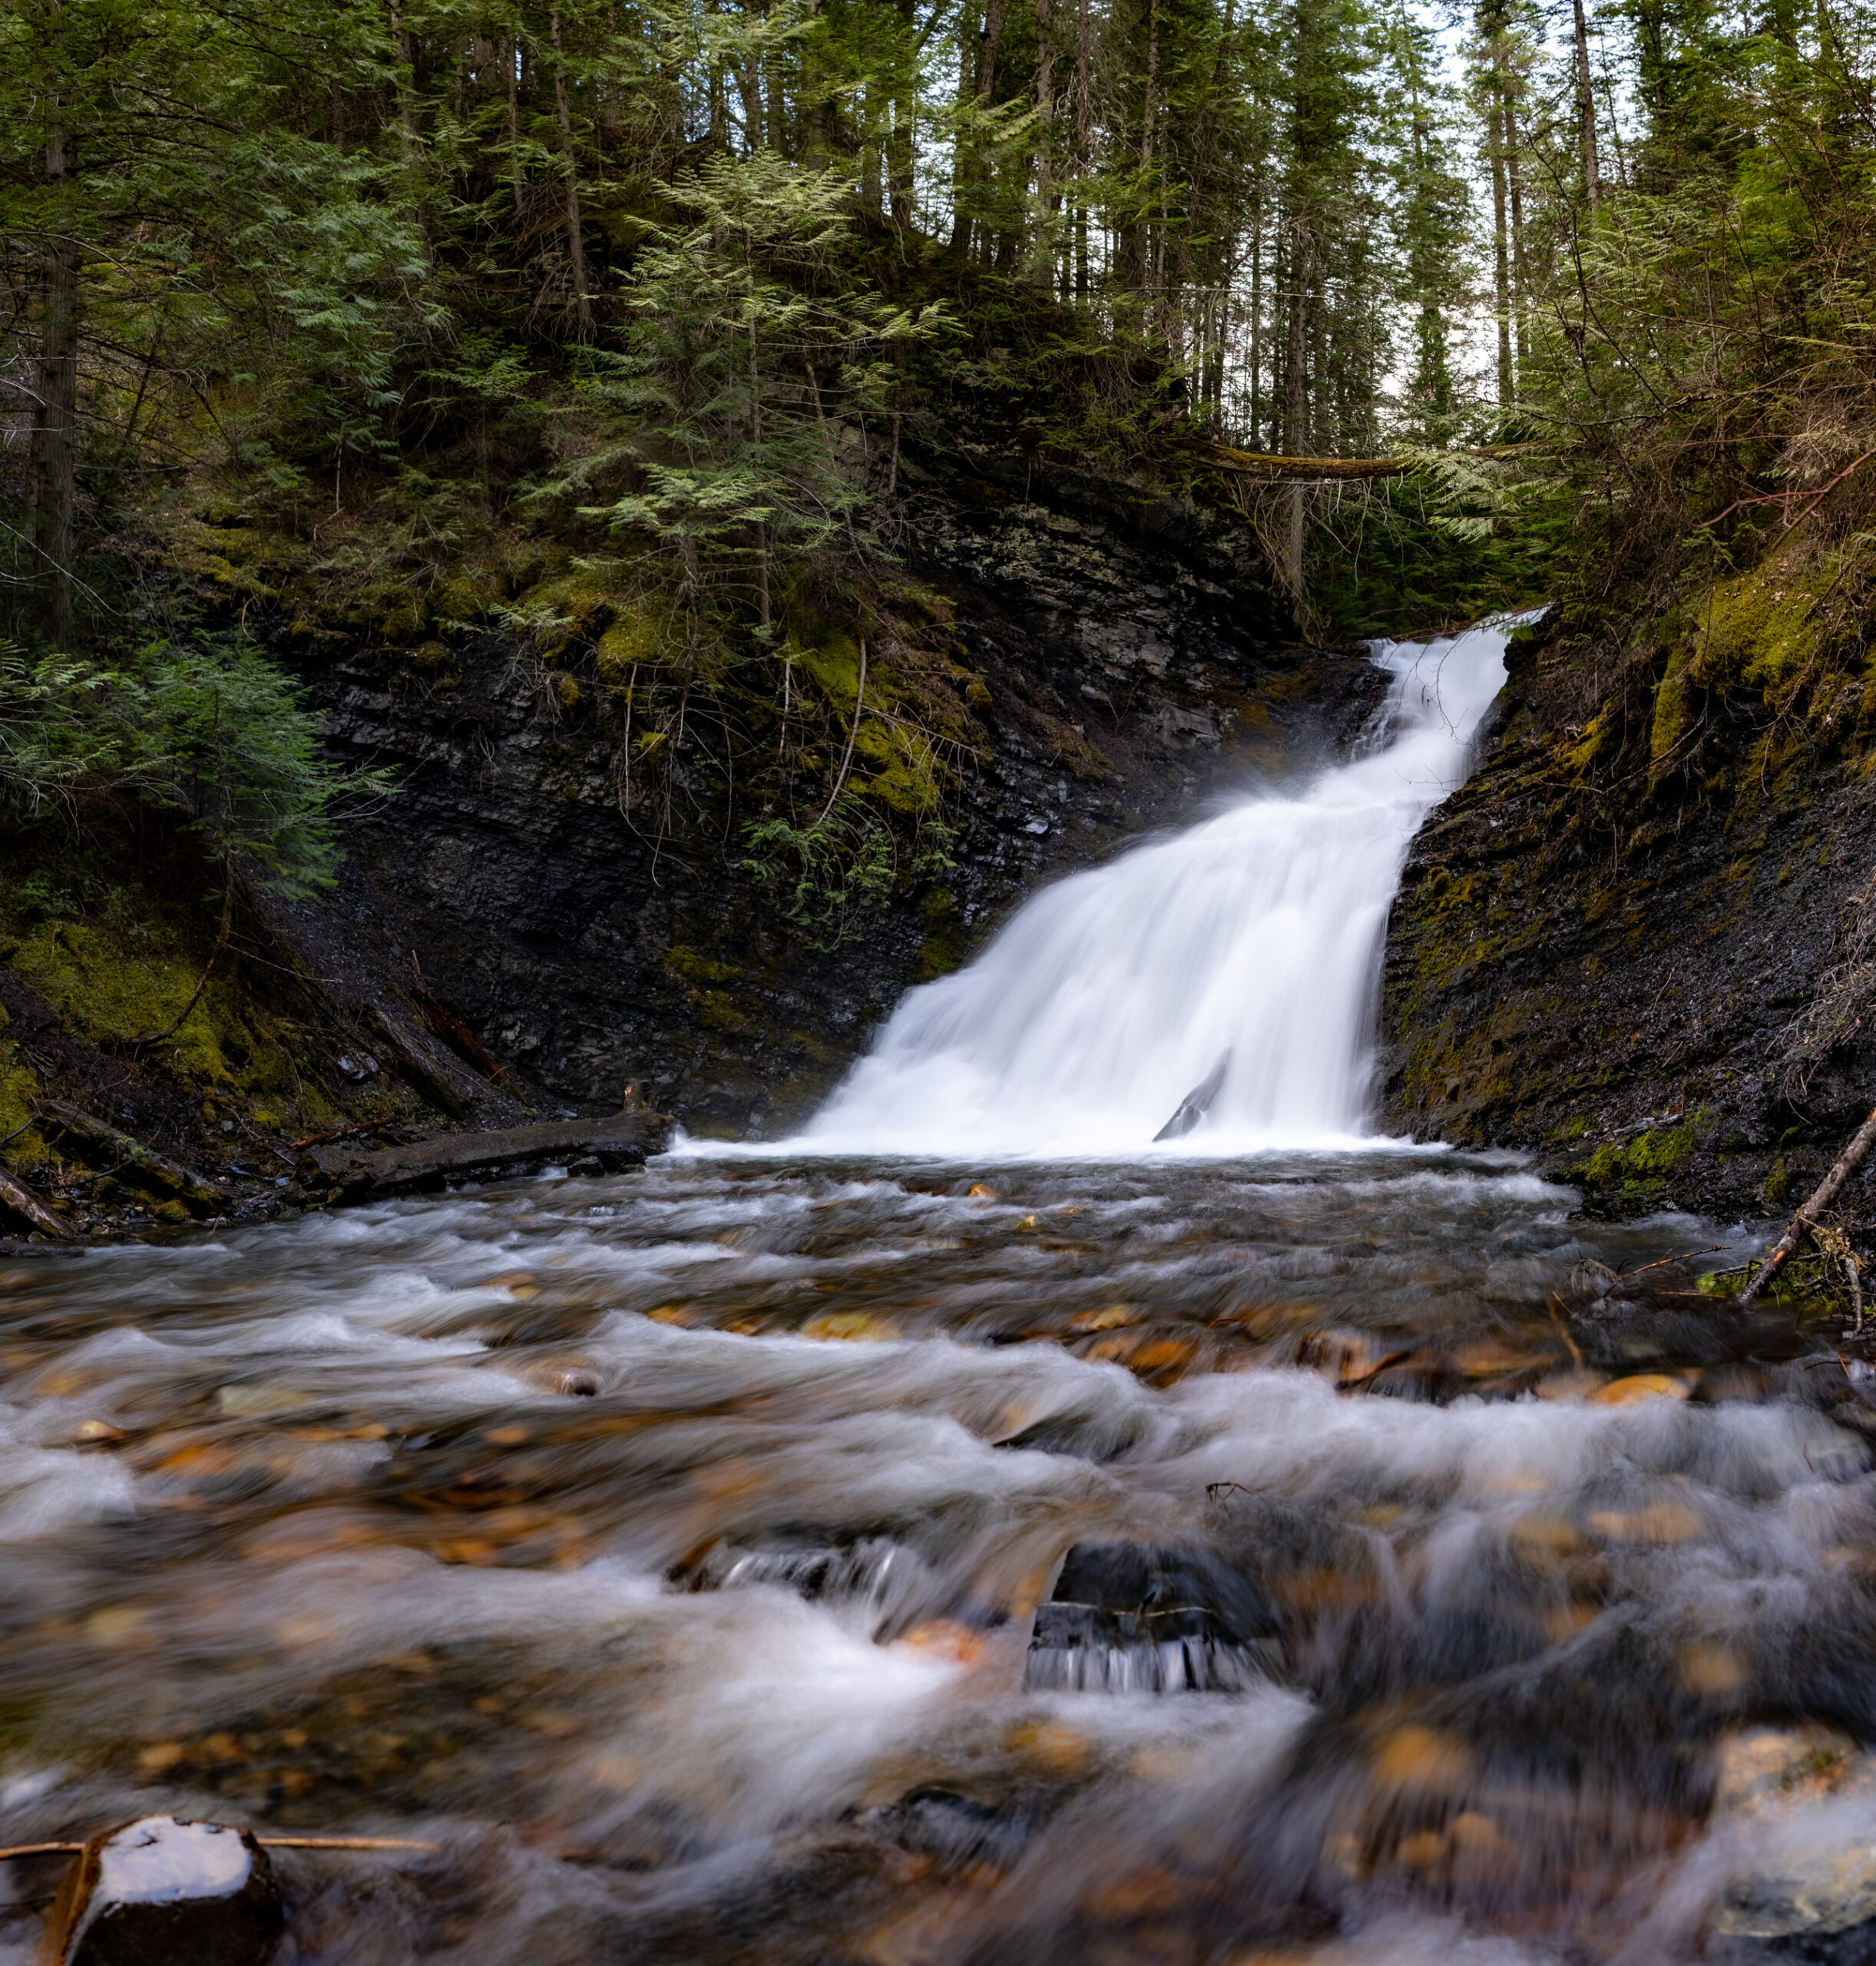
161	1892
1141	1618
1817	1893
954	1828
888	1586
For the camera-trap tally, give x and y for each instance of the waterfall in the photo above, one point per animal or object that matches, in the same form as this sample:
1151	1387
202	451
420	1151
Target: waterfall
1257	933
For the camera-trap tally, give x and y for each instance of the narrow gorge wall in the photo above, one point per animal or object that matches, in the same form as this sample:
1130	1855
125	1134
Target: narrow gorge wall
1120	658
1621	999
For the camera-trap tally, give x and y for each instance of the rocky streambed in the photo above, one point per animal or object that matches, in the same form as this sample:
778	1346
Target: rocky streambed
1324	1558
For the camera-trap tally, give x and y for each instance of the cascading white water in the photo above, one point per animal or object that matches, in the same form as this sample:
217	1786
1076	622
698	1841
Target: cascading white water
1112	993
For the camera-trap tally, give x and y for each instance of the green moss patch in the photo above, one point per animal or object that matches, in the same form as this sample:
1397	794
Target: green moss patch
1641	1170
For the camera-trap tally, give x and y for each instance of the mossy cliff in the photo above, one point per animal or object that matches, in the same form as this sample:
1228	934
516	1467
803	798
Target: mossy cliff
602	866
104	939
1630	942
603	895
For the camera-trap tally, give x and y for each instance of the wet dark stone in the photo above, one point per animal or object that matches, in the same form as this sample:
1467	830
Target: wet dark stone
160	1892
954	1828
1148	1617
1081	1436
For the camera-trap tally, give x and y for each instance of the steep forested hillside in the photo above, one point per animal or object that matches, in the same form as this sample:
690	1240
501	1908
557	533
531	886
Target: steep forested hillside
638	366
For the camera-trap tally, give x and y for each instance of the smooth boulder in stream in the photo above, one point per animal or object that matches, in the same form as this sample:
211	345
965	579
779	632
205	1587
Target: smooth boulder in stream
161	1892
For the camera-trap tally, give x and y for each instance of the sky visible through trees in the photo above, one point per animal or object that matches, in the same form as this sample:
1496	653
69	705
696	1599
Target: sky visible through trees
640	261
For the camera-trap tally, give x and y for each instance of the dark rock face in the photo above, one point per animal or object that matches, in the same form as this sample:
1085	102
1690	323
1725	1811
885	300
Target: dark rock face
1626	1012
1129	659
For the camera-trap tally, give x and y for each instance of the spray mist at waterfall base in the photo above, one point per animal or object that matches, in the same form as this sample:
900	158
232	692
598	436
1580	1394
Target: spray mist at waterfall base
1252	939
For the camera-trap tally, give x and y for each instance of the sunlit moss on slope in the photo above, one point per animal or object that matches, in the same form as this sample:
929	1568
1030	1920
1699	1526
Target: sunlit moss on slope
1785	631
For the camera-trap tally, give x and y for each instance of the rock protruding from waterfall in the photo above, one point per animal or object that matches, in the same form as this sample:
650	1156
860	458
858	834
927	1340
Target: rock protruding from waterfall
1198	1102
1141	1617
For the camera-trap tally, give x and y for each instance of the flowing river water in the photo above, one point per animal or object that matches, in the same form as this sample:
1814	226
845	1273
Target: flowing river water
1027	1546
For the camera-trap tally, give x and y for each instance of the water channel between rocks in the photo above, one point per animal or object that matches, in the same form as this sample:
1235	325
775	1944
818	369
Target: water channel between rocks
1341	1555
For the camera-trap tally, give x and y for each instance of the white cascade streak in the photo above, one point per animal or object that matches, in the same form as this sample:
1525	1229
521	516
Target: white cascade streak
1112	994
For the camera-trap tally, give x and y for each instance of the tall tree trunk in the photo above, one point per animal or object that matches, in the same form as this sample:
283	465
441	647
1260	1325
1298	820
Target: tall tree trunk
56	429
1201	165
1501	256
900	186
576	243
775	123
1257	317
763	601
719	97
1084	128
988	44
1586	115
514	66
410	141
1296	392
962	174
1046	200
1515	198
875	114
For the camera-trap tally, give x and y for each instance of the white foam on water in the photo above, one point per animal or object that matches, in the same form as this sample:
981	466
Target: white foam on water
1113	993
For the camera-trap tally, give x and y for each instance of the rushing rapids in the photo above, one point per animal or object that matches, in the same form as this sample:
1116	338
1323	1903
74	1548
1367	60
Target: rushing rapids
1325	1551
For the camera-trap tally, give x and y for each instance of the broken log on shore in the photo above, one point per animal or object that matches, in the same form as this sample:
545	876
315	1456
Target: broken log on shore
141	1166
622	1141
19	1200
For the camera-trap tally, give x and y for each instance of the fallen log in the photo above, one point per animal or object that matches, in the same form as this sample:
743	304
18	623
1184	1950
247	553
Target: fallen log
1805	1222
21	1201
142	1165
622	1141
1266	465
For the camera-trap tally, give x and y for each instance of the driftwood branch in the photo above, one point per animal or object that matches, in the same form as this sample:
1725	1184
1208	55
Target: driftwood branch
265	1842
345	1843
343	1132
1805	1221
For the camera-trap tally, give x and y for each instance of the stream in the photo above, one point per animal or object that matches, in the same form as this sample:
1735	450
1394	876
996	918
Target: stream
1035	1546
